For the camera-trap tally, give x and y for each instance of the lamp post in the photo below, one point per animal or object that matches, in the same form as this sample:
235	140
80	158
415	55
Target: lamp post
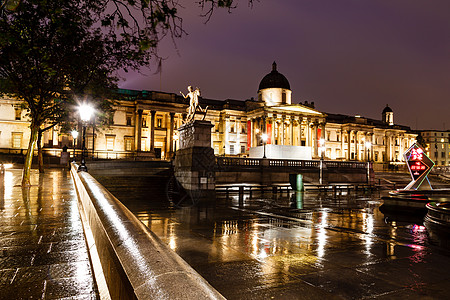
368	145
74	136
322	150
86	112
264	138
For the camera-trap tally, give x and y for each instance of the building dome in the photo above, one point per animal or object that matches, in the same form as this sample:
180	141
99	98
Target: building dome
387	109
274	80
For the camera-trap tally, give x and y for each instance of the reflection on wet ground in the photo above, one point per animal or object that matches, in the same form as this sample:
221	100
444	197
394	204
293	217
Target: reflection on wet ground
43	253
291	246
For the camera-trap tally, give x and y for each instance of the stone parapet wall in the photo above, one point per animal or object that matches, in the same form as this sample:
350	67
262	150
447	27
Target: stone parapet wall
136	264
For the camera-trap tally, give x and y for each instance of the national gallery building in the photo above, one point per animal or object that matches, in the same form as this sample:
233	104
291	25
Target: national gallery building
145	123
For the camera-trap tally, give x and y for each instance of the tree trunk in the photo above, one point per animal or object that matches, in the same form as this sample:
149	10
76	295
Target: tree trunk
40	158
29	157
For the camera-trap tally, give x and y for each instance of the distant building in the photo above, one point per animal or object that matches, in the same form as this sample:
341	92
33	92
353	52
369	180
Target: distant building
145	123
437	146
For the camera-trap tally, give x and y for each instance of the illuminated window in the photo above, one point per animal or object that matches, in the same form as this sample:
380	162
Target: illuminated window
144	122
110	142
143	143
159	122
128	143
89	142
17	140
442	140
231	149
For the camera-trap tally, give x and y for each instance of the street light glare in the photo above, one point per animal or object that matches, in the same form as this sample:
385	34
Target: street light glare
86	111
264	137
74	134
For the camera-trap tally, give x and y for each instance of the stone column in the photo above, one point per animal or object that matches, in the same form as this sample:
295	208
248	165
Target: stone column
138	132
152	131
308	133
349	145
291	128
356	146
172	115
225	134
315	140
283	133
342	132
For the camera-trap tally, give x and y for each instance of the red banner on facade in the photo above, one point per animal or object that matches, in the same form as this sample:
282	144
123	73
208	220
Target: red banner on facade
319	136
269	133
249	134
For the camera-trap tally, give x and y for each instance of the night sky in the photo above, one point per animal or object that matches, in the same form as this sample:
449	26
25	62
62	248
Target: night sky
348	56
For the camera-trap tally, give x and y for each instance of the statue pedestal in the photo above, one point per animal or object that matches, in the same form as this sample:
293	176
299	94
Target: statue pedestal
194	161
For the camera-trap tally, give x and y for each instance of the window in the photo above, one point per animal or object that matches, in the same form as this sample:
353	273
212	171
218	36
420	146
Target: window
242	148
242	127
143	143
129	117
17	140
283	97
232	128
338	137
443	154
18	113
231	149
159	122
110	142
128	143
144	122
376	156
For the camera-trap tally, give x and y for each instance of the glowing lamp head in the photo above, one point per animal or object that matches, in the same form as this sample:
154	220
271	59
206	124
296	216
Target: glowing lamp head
264	137
74	134
86	111
322	142
368	145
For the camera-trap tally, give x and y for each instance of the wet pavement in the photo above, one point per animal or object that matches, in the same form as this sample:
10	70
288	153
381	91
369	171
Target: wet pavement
296	246
43	252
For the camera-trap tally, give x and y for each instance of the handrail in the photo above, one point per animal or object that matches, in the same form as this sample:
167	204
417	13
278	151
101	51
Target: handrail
139	265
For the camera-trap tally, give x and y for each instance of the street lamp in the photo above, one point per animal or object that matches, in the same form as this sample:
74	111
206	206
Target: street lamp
74	136
264	138
86	112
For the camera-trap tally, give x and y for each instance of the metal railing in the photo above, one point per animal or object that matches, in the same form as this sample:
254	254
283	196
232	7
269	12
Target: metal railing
286	163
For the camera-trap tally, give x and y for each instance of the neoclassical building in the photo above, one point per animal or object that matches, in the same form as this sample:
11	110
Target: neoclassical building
145	123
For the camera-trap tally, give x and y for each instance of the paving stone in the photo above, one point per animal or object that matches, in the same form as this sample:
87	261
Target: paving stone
43	251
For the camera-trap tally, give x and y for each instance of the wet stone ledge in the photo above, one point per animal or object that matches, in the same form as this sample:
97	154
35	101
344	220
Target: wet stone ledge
136	264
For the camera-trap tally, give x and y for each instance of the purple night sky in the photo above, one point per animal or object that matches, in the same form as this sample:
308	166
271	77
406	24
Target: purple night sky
348	56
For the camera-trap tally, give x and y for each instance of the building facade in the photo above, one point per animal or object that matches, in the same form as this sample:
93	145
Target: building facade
145	124
437	146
